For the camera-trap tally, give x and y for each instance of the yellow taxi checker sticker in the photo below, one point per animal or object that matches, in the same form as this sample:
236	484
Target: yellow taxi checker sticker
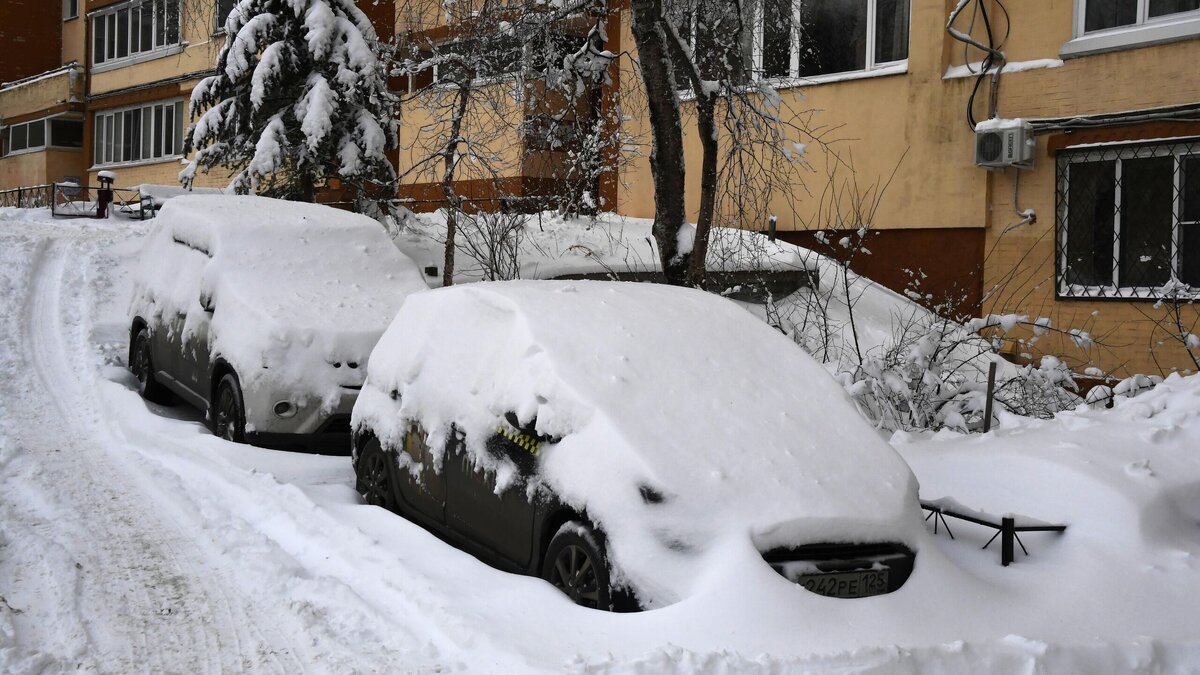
524	440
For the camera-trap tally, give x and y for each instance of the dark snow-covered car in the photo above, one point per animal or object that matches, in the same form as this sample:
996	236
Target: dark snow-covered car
626	441
262	313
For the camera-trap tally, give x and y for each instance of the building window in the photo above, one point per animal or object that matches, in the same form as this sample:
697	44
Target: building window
224	7
1128	219
134	28
70	9
809	38
144	133
1105	14
480	59
1108	25
39	134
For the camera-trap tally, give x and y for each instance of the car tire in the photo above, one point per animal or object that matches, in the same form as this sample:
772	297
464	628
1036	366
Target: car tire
228	415
142	367
373	478
576	564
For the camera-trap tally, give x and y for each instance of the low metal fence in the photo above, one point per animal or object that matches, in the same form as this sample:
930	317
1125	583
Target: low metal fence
68	200
33	197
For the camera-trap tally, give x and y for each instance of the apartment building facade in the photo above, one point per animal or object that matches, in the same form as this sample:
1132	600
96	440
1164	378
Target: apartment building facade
1084	236
115	94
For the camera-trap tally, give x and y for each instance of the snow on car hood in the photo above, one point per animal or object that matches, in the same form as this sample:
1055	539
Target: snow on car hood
297	288
654	390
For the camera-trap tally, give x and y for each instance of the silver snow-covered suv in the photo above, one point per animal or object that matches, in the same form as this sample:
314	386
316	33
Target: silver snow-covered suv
262	313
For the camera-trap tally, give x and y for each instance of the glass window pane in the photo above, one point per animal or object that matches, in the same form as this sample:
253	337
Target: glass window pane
1164	7
891	30
168	130
1189	235
118	123
1147	206
160	25
37	134
179	128
66	133
98	39
1091	205
1101	14
127	138
146	27
135	34
833	36
111	43
158	131
777	38
98	141
147	132
108	139
20	137
135	135
122	33
172	10
224	7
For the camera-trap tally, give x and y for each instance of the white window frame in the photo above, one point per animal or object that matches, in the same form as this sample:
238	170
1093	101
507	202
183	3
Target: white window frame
111	15
48	140
218	24
107	136
1146	30
871	68
1119	153
70	9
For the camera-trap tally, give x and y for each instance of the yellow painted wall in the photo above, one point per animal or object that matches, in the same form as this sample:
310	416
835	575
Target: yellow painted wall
1117	81
40	168
74	40
41	95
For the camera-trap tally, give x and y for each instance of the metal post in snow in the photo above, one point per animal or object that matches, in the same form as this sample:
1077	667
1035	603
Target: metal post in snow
1007	533
991	393
771	222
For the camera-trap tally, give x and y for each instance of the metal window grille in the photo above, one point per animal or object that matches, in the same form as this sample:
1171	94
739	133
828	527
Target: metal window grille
1128	220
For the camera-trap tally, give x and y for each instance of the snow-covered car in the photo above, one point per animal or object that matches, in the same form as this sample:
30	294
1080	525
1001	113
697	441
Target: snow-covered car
262	313
626	441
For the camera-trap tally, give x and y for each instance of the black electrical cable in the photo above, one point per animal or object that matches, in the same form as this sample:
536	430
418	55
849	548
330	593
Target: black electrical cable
988	62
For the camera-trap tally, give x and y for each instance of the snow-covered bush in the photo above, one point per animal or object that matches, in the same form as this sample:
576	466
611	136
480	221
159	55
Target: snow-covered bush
298	96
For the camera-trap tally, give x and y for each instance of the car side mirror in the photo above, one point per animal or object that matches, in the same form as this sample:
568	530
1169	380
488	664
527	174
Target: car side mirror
206	303
527	429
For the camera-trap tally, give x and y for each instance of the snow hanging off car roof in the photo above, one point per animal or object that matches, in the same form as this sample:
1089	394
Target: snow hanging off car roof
749	441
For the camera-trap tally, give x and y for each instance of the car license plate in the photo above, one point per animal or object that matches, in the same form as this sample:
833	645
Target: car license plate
856	584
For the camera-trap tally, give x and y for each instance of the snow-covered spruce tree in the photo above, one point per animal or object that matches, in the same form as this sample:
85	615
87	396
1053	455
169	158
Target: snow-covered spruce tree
299	96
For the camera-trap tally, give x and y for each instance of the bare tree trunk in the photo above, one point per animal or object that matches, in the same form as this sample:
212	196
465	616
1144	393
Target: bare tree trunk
666	158
706	124
453	201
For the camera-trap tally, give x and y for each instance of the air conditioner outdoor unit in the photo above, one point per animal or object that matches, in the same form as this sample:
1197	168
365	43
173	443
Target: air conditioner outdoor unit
1001	143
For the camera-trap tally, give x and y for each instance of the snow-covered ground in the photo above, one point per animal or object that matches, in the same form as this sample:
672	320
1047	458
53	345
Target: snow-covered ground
133	540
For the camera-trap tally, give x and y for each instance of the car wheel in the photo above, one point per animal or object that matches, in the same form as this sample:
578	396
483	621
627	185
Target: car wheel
143	369
228	412
576	564
373	480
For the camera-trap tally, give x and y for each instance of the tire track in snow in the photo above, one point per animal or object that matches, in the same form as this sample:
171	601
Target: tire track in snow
143	601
